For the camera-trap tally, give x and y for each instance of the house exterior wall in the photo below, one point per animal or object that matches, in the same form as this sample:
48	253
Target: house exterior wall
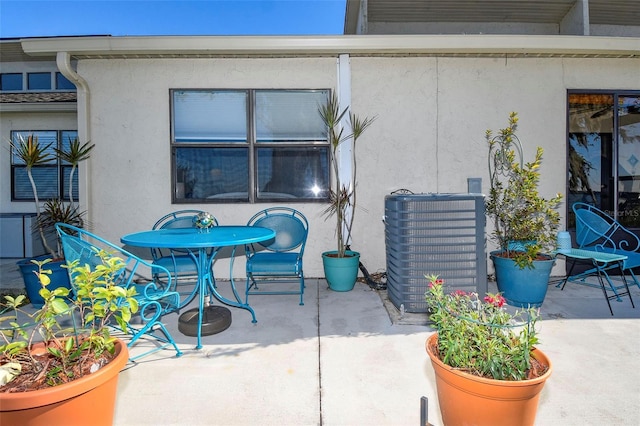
432	113
130	170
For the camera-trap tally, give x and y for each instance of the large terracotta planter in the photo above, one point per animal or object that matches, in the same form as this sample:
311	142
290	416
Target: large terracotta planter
86	401
466	399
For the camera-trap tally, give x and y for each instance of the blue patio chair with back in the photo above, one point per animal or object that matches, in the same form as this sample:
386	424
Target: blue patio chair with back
278	260
608	246
155	299
597	231
179	262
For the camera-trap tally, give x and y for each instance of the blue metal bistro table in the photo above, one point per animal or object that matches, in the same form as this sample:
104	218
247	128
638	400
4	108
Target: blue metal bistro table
203	247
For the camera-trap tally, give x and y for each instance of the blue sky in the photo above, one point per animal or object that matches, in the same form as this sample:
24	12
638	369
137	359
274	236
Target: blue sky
33	18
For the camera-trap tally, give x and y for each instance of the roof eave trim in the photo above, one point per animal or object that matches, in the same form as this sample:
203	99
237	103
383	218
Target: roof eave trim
334	45
38	107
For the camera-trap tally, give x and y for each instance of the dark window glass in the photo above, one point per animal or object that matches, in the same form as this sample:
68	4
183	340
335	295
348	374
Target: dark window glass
51	179
62	83
212	173
292	173
39	81
604	154
249	145
11	81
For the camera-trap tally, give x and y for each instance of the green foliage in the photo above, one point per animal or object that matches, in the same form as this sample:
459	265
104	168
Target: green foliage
75	331
479	336
342	196
519	212
33	153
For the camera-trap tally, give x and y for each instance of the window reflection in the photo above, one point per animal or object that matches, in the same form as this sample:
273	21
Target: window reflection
604	154
249	145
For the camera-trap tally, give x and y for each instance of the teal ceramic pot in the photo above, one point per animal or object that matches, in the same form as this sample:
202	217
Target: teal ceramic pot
522	287
341	272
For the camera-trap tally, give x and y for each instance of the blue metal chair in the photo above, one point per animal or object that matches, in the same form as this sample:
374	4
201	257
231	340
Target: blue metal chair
608	246
155	299
597	231
181	264
280	259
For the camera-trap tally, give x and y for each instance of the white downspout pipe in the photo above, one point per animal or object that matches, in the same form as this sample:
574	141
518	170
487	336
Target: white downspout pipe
346	148
63	61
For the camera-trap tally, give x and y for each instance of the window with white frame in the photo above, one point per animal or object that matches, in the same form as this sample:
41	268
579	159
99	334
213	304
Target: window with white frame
52	178
249	145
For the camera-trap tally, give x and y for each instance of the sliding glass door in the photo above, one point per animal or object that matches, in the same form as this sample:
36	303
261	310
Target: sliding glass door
604	153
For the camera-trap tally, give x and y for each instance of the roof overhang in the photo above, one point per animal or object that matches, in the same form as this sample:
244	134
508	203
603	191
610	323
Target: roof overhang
603	12
356	45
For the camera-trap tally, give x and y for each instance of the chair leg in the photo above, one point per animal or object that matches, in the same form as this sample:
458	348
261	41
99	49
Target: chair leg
616	295
573	263
301	290
149	327
635	279
626	285
148	330
166	340
604	290
250	283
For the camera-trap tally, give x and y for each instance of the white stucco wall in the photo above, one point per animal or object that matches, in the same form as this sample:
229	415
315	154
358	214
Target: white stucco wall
129	171
432	114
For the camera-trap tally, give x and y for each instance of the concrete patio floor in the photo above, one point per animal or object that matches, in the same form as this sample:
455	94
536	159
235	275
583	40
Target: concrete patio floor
350	359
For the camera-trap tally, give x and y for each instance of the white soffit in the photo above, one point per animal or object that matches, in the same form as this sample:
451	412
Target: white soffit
356	45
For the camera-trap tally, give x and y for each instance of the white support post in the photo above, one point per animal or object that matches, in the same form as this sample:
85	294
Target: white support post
346	148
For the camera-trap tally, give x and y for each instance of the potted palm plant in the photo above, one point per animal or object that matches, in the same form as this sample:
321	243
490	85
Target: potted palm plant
33	153
61	364
341	265
525	223
487	369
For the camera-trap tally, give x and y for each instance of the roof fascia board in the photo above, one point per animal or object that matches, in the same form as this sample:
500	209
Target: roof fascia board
38	107
334	45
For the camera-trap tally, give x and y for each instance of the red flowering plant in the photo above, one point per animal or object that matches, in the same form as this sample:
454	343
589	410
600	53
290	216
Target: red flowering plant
482	337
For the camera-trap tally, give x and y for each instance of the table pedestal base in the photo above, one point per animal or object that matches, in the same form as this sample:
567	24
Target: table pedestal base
215	319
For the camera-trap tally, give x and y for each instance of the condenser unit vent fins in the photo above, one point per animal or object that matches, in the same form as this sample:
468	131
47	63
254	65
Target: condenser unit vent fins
441	234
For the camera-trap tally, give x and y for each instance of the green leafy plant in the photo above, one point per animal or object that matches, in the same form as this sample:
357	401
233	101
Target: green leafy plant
75	332
520	214
481	337
342	196
33	153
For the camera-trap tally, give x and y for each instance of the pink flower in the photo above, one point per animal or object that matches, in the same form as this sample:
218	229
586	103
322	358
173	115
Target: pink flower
434	280
496	300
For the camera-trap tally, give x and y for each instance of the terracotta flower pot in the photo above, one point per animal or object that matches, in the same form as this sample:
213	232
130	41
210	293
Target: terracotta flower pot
89	400
466	399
